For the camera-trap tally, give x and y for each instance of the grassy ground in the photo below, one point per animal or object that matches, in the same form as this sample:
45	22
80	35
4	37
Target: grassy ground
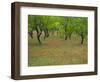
56	51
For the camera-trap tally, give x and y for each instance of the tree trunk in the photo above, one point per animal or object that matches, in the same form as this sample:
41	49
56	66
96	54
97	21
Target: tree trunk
30	34
46	33
39	32
82	39
38	37
66	37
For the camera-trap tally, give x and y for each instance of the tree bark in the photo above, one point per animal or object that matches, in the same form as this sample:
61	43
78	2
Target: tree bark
38	37
82	39
39	34
66	37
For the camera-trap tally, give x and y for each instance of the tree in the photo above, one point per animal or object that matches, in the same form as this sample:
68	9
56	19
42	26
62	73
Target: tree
38	24
45	25
81	28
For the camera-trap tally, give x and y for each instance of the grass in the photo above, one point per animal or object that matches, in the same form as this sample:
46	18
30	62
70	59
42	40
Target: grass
56	51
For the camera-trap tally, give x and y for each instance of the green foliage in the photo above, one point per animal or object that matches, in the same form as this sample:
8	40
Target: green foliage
62	24
81	24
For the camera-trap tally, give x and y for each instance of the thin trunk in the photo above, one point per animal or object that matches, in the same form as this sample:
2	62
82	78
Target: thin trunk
82	39
46	33
66	37
66	34
31	33
39	32
38	37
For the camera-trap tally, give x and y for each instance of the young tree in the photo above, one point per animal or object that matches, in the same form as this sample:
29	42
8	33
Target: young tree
45	25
